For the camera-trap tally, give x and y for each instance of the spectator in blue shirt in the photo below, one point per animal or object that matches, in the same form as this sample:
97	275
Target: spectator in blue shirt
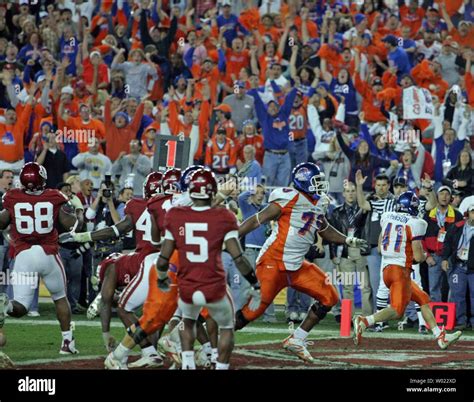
69	46
397	57
408	44
250	171
275	128
230	22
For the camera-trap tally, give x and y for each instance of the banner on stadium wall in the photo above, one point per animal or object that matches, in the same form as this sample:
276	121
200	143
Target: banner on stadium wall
171	151
417	103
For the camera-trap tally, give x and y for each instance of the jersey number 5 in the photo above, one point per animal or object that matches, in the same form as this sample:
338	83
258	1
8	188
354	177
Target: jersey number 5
398	240
192	240
41	222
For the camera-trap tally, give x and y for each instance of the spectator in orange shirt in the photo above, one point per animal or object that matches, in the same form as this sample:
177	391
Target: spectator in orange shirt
12	137
236	58
250	137
221	154
148	142
464	34
412	15
223	120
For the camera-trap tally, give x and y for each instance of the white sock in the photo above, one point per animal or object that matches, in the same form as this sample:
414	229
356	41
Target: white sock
436	331
188	362
148	351
214	354
222	366
421	320
206	347
121	352
370	320
300	334
9	307
67	335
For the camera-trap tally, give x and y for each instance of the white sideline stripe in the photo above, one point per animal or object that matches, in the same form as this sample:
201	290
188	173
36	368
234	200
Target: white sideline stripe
325	333
66	359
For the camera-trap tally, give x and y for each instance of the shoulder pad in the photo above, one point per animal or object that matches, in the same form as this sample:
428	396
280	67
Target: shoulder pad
284	193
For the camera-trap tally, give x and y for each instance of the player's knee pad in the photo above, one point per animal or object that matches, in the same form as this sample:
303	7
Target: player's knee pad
320	309
240	320
138	335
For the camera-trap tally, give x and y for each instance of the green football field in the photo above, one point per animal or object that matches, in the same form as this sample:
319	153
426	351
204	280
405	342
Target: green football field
35	342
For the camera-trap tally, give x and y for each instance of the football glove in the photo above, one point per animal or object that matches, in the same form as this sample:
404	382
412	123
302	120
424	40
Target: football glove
255	298
70	237
357	243
109	342
164	284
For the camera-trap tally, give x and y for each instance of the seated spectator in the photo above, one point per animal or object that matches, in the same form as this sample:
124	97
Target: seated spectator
250	171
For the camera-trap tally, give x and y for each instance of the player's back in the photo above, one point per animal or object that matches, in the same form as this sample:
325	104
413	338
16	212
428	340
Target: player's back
399	230
295	230
199	234
137	209
34	218
157	206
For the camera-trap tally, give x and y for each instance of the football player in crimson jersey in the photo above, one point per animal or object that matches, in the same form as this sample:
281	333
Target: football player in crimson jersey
34	213
401	247
300	214
198	233
125	272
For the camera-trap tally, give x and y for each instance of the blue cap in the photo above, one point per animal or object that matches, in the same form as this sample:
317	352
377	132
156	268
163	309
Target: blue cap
40	76
323	84
178	78
240	84
123	114
359	18
391	39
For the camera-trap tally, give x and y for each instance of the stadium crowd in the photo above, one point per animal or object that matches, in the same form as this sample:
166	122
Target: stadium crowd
86	86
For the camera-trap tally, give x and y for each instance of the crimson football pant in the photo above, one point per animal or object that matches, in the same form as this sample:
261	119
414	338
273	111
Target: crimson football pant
308	279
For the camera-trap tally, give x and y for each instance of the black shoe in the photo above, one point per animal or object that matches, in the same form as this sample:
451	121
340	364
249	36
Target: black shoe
411	323
338	318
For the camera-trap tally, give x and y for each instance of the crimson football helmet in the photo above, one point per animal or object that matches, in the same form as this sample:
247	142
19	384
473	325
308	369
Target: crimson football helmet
33	176
171	180
203	184
152	185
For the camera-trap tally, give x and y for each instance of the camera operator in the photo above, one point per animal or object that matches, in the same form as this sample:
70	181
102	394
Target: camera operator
104	211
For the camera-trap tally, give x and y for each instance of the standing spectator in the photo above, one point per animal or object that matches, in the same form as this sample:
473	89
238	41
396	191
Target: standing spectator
250	137
118	131
242	106
298	145
349	220
458	262
275	127
133	168
250	171
55	162
71	259
6	183
250	203
221	153
439	220
92	164
397	57
461	176
136	72
411	167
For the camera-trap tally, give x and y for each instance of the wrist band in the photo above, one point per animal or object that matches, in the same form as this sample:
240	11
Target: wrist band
116	231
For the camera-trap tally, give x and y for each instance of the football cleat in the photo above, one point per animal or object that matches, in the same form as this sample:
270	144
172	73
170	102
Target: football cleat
360	325
3	308
423	330
68	347
170	348
151	361
111	363
203	359
94	308
298	348
445	339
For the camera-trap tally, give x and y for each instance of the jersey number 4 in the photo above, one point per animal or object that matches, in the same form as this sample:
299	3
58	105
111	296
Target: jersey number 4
398	240
191	240
144	225
41	221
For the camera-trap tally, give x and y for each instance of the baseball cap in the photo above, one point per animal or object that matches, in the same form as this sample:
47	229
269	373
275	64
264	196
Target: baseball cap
391	39
221	130
240	84
323	84
67	90
445	188
94	53
470	208
464	22
39	77
224	108
226	3
400	181
359	18
43	14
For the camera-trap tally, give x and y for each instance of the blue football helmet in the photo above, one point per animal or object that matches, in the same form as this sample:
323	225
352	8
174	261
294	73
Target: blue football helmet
186	176
308	178
408	202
